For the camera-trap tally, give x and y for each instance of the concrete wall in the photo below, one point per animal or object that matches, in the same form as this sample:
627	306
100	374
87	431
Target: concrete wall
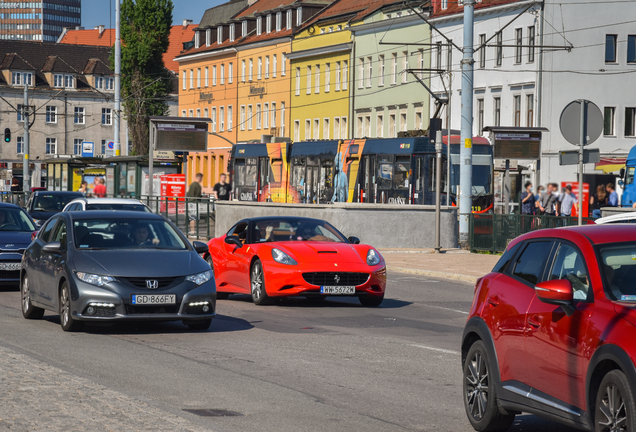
381	225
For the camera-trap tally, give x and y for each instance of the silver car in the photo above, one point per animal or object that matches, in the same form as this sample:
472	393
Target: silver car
112	266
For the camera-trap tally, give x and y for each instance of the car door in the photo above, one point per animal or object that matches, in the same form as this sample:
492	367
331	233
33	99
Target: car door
555	343
34	259
508	299
234	274
52	264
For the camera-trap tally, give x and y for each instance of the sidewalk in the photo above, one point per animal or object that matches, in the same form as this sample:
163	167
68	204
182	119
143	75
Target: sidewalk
450	263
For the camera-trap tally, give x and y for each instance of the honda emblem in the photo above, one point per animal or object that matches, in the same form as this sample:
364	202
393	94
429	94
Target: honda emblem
152	284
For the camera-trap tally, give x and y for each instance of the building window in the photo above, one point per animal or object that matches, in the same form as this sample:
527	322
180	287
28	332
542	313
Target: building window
77	146
196	39
191	78
250	74
230	118
307	130
531	44
420	63
316	129
268	23
381	70
208	37
222	73
274	65
297	81
296	130
183	113
206	75
273	124
213	119
242	120
517	106
219	35
230	72
405	65
51	114
518	45
345	74
480	116
630	122
289	19
610	48
497	111
369	71
244	28
608	121
214	75
317	80
403	121
58	81
191	113
392	130
266	116
198	77
266	67
103	146
21	78
360	127
631	48
20	145
259	116
394	68
243	68
337	76
107	119
530	110
51	146
308	89
499	49
482	51
379	126
438	57
325	128
198	112
249	117
361	72
110	84
206	113
299	16
221	119
78	118
259	67
232	29
185	80
283	65
444	4
418	120
327	77
367	125
282	119
336	128
259	26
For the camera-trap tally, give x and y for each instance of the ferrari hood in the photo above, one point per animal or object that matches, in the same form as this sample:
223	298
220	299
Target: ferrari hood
139	263
326	251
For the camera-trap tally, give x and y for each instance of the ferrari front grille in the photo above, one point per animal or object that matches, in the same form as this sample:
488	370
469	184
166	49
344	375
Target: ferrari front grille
336	278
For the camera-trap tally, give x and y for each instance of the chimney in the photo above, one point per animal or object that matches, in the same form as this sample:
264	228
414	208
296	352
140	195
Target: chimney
79	28
100	28
187	22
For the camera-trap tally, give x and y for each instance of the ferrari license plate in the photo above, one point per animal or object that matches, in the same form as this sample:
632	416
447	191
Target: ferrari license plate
338	290
154	299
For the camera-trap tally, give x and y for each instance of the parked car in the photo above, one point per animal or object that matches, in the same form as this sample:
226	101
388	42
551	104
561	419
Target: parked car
44	204
16	229
628	217
270	257
82	204
114	266
551	331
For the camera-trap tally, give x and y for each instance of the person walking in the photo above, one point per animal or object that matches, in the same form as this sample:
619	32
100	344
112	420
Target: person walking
527	200
83	187
612	200
598	200
100	190
568	200
221	190
549	200
194	191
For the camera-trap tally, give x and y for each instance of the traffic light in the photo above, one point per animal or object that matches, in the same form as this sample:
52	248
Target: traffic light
7	135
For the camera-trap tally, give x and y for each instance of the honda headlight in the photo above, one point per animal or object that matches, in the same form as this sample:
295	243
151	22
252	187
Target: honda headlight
94	279
200	278
373	257
281	257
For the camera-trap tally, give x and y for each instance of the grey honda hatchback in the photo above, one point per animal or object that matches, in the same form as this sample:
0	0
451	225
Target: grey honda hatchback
112	266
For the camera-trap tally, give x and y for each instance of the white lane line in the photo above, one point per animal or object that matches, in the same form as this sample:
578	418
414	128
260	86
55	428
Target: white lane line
445	351
445	308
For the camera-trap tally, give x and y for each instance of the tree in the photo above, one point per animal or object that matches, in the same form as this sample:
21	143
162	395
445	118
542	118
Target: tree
145	81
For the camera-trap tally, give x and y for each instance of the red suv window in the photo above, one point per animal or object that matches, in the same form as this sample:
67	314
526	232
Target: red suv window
531	263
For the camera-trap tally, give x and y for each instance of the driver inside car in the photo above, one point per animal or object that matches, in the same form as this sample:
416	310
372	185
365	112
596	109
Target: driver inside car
142	236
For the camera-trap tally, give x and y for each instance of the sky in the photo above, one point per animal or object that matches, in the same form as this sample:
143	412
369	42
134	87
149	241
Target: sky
96	12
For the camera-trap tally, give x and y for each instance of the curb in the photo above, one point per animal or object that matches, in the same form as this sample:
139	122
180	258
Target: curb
453	276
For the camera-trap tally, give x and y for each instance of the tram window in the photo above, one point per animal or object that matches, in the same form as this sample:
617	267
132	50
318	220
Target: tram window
385	175
354	148
313	160
419	180
299	161
250	175
432	163
327	162
385	158
401	177
298	180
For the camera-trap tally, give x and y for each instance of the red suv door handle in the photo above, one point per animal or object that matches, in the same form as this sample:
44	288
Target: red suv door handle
534	321
493	301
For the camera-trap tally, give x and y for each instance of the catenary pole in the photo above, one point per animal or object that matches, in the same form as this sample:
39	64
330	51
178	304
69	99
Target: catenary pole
25	117
582	134
117	110
466	143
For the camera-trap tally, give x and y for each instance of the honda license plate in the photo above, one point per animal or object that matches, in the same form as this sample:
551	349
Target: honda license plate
154	299
338	290
10	266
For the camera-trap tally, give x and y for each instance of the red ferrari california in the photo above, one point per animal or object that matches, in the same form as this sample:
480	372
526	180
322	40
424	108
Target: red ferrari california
271	257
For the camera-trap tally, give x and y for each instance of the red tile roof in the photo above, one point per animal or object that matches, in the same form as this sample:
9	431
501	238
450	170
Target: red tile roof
358	9
261	6
178	35
455	8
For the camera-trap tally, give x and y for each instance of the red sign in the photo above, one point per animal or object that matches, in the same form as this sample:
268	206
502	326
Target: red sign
586	197
172	188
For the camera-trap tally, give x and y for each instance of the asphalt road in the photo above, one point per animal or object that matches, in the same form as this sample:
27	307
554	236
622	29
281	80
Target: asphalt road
293	366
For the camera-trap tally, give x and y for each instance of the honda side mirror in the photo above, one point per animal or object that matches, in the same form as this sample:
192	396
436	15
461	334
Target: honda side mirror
354	240
200	247
557	292
234	240
53	247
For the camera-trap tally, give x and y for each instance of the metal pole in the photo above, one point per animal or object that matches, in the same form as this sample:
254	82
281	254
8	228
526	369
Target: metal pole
466	144
448	136
438	185
117	110
582	141
151	148
25	117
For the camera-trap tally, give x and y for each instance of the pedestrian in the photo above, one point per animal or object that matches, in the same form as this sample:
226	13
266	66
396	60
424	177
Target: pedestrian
83	187
221	190
194	191
613	196
527	200
100	190
598	200
549	200
15	185
568	200
537	200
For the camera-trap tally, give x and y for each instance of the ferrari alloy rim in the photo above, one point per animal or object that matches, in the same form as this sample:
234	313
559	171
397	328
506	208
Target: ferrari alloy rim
26	295
477	386
257	282
66	307
613	410
211	263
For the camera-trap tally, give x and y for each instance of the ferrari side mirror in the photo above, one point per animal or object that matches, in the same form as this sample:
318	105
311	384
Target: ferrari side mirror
234	240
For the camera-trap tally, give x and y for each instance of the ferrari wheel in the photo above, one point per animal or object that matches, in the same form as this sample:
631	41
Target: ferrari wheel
371	301
257	281
208	259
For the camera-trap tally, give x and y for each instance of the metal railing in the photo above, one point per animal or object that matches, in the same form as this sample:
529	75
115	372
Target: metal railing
493	232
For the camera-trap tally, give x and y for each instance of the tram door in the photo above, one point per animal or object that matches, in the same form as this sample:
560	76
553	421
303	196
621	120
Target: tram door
263	177
419	178
368	178
313	179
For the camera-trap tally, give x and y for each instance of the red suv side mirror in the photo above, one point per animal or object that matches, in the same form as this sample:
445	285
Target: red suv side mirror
557	292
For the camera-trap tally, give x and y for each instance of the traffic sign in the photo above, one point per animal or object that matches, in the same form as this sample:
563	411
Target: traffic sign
88	149
570	122
110	149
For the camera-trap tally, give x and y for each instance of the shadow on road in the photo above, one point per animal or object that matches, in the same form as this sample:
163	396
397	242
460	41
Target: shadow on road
220	324
530	423
329	302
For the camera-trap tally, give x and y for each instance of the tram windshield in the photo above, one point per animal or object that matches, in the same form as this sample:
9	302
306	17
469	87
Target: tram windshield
482	174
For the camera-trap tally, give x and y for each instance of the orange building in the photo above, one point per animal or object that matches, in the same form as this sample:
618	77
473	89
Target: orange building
237	74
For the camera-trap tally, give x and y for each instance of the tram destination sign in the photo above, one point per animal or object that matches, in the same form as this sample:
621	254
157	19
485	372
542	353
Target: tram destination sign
519	145
190	135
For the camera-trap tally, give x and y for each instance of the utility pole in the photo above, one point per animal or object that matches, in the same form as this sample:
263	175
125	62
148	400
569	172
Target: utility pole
466	143
117	110
25	117
438	192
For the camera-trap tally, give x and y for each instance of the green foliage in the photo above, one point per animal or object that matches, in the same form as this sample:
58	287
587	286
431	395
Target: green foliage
145	82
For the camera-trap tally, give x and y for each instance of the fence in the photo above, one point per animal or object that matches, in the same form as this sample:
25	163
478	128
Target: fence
493	232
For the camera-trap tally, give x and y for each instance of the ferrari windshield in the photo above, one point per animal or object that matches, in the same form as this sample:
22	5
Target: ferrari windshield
117	233
296	229
15	219
618	265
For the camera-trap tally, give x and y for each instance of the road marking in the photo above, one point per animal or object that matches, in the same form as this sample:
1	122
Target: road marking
445	308
445	351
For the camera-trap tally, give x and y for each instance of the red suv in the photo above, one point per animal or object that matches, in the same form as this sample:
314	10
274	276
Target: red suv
552	331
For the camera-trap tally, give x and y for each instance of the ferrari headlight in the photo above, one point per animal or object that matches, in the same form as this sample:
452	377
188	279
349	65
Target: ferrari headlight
373	257
200	278
94	279
281	257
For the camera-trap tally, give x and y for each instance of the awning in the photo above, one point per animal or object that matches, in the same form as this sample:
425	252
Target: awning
609	165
